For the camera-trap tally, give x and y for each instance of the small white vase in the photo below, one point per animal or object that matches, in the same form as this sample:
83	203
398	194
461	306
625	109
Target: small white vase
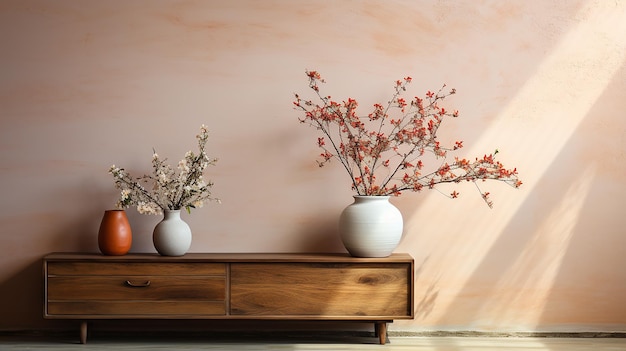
371	226
172	236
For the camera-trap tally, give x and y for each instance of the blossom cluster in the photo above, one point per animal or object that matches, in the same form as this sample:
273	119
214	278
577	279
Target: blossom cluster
385	151
167	188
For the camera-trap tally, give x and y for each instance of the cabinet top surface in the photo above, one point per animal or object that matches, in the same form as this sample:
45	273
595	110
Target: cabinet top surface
227	257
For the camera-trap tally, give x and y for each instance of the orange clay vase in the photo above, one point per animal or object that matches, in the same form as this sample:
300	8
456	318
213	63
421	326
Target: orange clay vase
115	235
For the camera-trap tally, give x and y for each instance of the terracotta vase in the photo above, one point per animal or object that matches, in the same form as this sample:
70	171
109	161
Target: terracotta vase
115	236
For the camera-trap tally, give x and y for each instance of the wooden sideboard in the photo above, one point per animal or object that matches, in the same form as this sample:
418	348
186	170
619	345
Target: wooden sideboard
330	287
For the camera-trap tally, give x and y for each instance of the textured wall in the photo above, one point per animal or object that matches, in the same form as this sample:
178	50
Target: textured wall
87	84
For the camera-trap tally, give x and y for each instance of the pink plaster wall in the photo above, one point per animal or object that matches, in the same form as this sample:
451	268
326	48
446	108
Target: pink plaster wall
84	85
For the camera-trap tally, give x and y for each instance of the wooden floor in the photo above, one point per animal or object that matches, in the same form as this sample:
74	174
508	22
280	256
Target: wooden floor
112	342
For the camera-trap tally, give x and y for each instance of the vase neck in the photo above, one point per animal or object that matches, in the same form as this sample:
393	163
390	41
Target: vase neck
168	214
370	198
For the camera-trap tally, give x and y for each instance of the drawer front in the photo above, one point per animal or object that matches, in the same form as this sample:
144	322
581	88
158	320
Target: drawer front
331	290
135	289
185	288
134	268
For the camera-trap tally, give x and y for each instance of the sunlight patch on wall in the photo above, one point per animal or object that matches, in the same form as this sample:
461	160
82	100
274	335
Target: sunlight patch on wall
530	133
528	282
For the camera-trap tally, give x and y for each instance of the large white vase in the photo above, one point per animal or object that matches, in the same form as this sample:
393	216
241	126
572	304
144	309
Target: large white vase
371	226
172	236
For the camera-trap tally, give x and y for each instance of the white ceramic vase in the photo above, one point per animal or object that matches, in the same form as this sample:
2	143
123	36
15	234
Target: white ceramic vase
371	226
172	236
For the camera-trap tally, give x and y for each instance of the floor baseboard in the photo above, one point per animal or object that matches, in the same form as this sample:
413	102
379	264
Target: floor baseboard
450	334
338	333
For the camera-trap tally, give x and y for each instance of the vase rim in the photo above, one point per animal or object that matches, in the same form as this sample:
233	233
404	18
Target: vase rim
371	196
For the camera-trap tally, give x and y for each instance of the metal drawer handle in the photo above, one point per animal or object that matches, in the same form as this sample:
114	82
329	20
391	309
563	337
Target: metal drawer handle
142	285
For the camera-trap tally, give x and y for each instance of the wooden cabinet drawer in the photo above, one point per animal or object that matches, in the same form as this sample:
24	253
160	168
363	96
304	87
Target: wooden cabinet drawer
185	288
329	290
134	288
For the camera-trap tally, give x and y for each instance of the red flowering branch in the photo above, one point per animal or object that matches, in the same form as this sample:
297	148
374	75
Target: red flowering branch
384	155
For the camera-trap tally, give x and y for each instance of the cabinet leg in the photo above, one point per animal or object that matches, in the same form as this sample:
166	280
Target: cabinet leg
83	332
381	331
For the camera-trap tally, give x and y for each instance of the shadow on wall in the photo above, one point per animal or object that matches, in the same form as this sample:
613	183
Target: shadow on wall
508	279
322	236
591	282
80	235
21	294
79	223
585	283
25	290
426	303
513	284
21	300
